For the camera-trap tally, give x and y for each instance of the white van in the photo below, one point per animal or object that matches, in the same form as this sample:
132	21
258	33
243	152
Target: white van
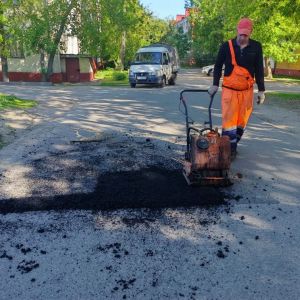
154	64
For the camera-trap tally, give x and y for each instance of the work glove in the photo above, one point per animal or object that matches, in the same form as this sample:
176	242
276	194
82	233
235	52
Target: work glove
213	89
260	97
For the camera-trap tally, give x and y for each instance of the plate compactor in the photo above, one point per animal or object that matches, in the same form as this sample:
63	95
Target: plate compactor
208	154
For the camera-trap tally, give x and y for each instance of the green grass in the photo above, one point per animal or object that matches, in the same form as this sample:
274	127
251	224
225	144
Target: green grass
10	101
289	101
286	78
112	77
284	96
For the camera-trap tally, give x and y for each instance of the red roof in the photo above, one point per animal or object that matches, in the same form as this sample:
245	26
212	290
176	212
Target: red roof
181	17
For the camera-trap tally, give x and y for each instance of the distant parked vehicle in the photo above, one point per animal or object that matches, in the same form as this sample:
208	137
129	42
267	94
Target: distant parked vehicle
208	70
154	64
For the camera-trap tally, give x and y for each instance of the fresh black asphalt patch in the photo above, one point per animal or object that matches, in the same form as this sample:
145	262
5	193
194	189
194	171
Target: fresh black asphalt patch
152	188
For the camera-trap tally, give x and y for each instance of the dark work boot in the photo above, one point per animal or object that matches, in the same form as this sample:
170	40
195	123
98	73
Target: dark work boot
233	154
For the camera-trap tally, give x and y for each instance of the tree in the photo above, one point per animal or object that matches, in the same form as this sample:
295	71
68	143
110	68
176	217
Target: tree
6	31
208	30
43	23
277	31
149	30
275	25
55	17
114	30
178	39
29	29
189	3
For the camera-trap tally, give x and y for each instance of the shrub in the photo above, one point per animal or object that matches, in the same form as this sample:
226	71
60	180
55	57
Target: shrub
119	76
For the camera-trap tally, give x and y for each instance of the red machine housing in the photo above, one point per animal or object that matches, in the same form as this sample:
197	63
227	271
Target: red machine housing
208	166
208	155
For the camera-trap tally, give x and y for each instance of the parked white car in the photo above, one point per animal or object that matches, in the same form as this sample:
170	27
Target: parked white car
208	70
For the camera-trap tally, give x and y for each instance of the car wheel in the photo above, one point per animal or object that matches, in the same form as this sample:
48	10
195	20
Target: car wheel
171	81
133	85
163	82
210	72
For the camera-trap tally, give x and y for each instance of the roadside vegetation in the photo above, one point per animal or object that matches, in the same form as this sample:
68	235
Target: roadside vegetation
276	26
289	101
11	101
291	79
285	96
111	77
113	30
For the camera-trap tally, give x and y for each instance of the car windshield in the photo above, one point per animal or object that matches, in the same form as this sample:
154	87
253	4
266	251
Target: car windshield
148	58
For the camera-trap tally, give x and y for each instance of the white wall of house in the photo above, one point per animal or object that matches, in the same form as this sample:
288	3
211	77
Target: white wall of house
84	65
28	64
184	24
63	65
31	64
72	45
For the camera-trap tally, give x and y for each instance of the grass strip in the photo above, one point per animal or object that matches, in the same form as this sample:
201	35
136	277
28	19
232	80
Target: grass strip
11	101
284	96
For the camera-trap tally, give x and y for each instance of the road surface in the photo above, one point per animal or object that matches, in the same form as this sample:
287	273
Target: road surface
245	249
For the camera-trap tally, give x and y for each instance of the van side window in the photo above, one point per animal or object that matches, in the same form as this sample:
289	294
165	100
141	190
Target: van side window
165	58
168	57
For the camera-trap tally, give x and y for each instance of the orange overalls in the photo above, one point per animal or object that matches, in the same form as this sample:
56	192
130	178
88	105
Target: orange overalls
237	101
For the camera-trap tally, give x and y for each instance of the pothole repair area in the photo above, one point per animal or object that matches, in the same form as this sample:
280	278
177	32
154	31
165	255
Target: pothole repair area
119	172
152	187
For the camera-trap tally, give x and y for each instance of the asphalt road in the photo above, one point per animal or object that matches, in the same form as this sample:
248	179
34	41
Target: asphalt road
248	248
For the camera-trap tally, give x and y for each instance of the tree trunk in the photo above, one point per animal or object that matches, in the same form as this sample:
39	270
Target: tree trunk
4	64
57	39
268	69
43	66
122	51
50	66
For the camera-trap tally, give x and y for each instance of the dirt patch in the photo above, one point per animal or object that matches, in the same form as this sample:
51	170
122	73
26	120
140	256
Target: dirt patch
152	187
13	123
7	134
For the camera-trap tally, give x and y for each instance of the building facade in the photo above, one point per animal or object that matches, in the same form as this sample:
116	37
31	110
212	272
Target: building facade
68	65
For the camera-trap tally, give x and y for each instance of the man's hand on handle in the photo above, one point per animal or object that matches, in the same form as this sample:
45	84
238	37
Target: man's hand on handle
213	89
260	97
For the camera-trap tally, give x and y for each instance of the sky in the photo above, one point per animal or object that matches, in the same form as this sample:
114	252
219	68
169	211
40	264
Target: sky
165	8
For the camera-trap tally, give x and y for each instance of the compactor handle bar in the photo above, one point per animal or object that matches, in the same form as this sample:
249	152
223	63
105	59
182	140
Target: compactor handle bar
185	105
188	127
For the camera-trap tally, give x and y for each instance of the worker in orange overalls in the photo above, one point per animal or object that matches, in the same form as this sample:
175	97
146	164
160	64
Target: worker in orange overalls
243	59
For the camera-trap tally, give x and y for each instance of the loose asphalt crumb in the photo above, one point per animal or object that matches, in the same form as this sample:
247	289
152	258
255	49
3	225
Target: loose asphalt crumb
27	266
5	255
220	254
